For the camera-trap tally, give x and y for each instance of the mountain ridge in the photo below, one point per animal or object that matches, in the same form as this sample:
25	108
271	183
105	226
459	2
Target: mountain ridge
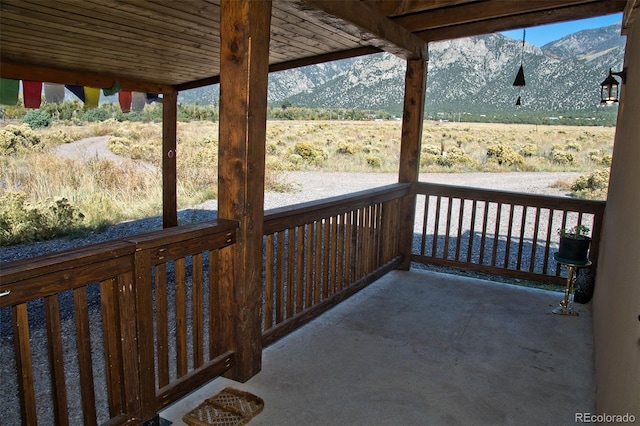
465	75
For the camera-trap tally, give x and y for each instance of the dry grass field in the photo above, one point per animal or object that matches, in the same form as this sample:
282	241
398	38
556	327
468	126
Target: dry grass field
99	192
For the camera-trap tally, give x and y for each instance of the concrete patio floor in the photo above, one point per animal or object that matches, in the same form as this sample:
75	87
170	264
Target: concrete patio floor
425	348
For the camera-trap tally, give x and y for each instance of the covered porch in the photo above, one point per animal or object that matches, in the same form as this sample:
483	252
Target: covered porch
422	347
158	315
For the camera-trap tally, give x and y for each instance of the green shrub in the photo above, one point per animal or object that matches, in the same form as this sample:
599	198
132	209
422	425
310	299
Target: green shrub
96	114
120	145
599	157
593	185
346	148
504	155
572	146
529	150
560	156
309	153
37	118
452	157
373	161
57	137
22	222
18	139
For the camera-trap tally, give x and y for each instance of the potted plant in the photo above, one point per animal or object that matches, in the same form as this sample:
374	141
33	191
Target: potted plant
574	243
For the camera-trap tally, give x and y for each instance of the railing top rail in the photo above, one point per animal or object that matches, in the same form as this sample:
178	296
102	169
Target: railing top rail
67	260
178	234
23	269
515	198
281	218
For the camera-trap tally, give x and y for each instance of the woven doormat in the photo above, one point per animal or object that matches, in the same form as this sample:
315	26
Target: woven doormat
229	407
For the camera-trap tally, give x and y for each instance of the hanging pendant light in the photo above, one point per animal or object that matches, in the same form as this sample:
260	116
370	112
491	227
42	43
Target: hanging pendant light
519	80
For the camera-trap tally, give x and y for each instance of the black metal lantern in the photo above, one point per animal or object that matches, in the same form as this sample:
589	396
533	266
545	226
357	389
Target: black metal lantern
610	88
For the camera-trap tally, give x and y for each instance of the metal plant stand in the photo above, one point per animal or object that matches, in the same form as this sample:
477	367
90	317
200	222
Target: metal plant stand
566	304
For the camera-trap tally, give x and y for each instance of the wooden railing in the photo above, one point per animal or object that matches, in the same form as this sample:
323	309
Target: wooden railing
112	332
319	253
496	232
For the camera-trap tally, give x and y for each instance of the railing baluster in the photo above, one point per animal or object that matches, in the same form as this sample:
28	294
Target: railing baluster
197	310
56	359
280	265
340	252
309	265
290	283
534	239
436	226
269	288
483	238
333	282
326	255
24	366
112	345
425	222
353	245
472	229
461	202
181	317
215	308
317	277
507	251
496	234
300	274
162	324
447	231
523	228
83	341
547	247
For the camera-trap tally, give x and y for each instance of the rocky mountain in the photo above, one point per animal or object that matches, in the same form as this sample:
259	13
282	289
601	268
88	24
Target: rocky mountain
472	74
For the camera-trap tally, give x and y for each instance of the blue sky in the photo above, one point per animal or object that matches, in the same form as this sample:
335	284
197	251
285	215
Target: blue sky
544	34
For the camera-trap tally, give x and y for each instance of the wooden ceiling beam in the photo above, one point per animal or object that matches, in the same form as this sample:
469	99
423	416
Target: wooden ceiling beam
403	7
524	20
468	13
631	12
78	78
362	20
296	63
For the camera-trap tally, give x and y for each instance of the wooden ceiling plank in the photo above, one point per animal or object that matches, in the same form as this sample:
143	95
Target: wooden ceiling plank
146	25
582	11
194	14
90	26
385	33
51	41
279	26
57	30
332	37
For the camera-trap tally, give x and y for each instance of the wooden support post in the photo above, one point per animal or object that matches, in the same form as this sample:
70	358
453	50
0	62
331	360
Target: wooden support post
244	58
412	119
169	175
